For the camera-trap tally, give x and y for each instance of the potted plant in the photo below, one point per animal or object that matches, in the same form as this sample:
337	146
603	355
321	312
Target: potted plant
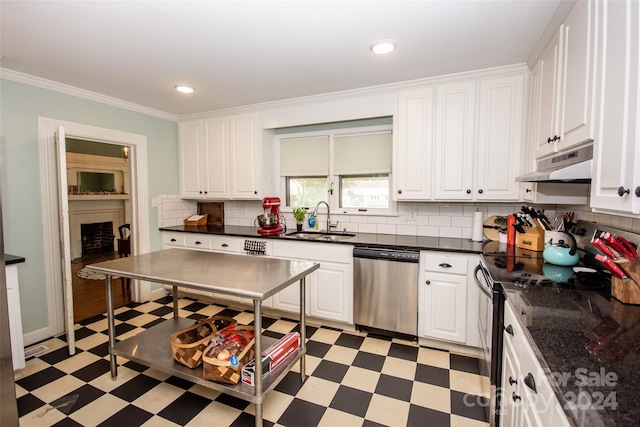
298	215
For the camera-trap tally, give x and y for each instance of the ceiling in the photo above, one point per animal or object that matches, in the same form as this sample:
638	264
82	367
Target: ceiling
237	53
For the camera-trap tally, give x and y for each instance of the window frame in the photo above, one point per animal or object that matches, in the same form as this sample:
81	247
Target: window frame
333	179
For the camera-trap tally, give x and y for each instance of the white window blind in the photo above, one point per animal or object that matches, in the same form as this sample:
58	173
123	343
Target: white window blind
362	154
304	157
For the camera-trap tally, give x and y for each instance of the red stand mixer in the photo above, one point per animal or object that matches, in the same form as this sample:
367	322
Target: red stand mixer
272	220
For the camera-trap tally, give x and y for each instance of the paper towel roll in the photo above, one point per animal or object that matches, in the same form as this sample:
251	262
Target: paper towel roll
476	229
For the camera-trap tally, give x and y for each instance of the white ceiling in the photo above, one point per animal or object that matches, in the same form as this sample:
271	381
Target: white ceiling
246	52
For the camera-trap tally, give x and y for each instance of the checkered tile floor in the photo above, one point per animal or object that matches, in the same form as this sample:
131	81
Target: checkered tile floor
355	380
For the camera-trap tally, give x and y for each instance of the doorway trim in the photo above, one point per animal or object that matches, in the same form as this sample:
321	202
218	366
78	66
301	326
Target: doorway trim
53	268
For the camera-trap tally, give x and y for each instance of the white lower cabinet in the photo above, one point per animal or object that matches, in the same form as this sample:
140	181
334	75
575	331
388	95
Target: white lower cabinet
527	397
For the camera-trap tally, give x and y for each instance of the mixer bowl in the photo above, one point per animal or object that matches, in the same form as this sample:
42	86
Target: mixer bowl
267	220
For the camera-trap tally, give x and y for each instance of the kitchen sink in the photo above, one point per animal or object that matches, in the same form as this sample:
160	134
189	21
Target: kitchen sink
320	235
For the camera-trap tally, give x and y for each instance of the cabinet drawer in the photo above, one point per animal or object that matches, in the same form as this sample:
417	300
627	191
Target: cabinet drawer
172	238
197	241
314	251
225	243
441	263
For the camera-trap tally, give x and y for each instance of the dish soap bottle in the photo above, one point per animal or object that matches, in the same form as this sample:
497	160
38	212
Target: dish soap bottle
312	222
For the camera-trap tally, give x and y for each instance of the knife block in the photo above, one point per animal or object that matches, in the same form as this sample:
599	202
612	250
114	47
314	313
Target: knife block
532	239
627	290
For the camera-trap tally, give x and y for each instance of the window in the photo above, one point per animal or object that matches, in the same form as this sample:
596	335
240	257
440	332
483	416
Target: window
349	168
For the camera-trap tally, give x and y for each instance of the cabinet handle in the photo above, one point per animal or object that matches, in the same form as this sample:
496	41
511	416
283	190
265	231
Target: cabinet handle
622	191
555	138
480	191
509	330
530	382
427	282
549	140
468	191
515	397
224	245
255	192
528	190
399	191
444	265
198	242
512	381
173	240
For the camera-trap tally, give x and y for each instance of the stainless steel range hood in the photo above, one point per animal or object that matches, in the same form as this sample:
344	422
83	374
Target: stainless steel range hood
570	167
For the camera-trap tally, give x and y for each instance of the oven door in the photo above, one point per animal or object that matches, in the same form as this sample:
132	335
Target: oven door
485	312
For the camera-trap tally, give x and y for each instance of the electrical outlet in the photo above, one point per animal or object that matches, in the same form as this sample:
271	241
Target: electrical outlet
412	215
155	202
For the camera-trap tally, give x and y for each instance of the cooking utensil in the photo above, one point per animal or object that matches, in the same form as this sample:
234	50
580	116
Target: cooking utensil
560	253
267	220
602	247
630	248
611	266
493	226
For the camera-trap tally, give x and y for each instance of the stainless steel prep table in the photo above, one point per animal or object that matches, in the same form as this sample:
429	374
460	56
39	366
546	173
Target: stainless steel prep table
244	276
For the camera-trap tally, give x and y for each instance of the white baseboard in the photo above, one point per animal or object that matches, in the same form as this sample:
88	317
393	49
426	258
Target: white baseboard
37	336
158	293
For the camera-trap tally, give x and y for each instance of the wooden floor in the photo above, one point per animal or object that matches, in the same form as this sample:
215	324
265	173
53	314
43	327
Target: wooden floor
90	296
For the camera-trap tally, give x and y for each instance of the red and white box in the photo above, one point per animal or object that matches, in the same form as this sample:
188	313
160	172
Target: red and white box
272	357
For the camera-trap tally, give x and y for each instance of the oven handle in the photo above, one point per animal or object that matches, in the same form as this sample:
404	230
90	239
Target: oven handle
481	285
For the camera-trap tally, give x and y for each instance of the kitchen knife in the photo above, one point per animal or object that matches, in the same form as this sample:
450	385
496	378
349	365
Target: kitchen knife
628	246
602	247
611	266
617	246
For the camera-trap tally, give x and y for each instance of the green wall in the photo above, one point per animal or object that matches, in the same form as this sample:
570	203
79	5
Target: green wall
20	107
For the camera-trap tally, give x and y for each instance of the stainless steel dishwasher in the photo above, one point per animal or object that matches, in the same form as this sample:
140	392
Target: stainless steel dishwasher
385	282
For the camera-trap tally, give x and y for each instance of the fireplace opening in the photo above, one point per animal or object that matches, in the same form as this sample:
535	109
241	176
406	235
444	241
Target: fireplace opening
97	238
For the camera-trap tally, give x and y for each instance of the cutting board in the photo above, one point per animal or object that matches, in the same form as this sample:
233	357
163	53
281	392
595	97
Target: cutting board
492	225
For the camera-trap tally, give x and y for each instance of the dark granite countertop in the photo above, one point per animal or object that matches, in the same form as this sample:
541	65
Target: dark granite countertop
13	259
360	239
589	344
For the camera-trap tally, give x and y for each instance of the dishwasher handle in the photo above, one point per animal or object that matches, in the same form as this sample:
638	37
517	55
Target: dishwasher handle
387	254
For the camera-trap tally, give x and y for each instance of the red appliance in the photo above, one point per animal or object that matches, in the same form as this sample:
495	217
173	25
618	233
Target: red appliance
272	221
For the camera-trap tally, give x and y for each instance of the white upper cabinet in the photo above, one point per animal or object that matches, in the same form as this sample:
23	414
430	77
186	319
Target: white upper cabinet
220	158
499	138
414	147
563	107
615	186
454	141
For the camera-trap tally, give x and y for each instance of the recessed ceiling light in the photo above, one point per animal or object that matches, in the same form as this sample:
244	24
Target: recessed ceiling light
382	47
184	89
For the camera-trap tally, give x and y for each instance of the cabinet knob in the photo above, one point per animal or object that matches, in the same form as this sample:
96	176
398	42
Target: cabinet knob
549	140
206	192
528	190
427	282
637	192
255	192
224	245
509	330
173	240
444	265
468	191
480	191
555	138
200	192
622	191
515	397
198	243
399	191
512	381
530	382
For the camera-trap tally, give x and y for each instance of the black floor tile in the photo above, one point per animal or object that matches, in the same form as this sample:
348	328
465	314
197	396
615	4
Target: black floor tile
403	352
161	311
153	323
349	340
469	405
267	321
196	316
432	375
135	388
40	378
397	388
229	312
92	319
28	403
351	400
331	371
83	333
130	416
123	328
127	315
184	408
93	370
369	423
308	330
234	402
271	334
248	420
301	413
195	306
100	350
373	362
67	422
77	399
464	363
136	366
58	355
419	415
317	349
290	384
179	382
165	300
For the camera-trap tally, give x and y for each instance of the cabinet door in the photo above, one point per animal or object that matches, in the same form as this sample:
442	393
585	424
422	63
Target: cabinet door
511	402
616	158
414	147
288	299
577	106
191	157
329	296
245	156
216	136
454	143
499	138
443	303
549	80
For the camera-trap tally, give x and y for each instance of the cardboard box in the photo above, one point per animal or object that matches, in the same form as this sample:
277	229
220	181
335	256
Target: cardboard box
272	357
532	239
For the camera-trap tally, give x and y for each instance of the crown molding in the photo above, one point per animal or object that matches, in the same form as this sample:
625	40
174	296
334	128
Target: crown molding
30	80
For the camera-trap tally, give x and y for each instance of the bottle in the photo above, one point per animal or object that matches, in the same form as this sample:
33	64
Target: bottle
312	222
511	231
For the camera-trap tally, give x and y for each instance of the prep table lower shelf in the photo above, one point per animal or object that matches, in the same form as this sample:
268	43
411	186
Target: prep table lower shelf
152	348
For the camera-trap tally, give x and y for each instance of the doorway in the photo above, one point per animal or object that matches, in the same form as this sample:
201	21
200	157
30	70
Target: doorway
58	290
98	180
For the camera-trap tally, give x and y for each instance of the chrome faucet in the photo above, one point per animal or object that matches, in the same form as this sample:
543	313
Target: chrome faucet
315	213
